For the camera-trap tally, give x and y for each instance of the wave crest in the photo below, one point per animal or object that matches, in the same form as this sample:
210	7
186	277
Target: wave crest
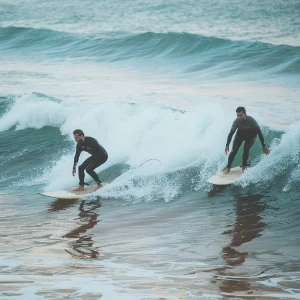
185	48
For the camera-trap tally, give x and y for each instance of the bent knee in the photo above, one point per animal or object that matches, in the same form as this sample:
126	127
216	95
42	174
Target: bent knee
89	170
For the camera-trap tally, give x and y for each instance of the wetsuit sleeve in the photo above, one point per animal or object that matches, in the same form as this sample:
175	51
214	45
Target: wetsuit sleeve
261	138
258	130
76	157
231	133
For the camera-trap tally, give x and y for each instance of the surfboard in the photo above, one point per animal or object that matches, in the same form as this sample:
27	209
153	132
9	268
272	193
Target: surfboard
70	194
226	179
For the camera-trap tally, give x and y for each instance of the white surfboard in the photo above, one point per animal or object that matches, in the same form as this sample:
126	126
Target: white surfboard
70	194
226	179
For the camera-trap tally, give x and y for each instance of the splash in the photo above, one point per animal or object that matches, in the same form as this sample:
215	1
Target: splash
188	144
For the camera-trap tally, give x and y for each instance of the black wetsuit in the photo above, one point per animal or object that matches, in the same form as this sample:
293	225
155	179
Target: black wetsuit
99	157
247	130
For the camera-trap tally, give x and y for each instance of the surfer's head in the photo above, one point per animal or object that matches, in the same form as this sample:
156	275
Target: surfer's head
241	113
78	136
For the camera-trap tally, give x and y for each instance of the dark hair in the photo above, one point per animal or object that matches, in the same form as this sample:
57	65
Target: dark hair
241	109
78	132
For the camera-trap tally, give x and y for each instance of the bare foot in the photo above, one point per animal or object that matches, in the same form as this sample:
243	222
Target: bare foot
243	169
226	171
80	188
99	186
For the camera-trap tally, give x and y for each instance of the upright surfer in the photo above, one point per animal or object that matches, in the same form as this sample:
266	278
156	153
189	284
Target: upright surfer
99	157
247	130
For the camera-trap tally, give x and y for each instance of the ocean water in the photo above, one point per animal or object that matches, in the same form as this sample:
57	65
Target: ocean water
157	83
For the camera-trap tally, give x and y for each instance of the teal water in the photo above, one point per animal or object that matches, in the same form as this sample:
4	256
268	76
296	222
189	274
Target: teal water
156	83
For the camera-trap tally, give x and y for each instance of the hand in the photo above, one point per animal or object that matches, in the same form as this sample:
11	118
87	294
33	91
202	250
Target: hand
266	150
226	150
74	171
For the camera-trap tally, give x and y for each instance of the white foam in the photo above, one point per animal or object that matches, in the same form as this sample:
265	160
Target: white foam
31	111
284	156
131	134
134	133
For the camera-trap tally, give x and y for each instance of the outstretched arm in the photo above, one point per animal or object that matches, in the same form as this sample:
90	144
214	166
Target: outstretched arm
262	141
261	138
259	133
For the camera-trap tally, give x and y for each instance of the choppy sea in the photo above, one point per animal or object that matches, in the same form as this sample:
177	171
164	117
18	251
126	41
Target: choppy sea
157	83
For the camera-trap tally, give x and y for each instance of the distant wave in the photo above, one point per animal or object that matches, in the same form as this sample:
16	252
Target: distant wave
184	48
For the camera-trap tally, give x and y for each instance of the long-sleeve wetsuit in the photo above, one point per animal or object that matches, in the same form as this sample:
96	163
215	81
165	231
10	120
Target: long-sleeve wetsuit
99	157
247	130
